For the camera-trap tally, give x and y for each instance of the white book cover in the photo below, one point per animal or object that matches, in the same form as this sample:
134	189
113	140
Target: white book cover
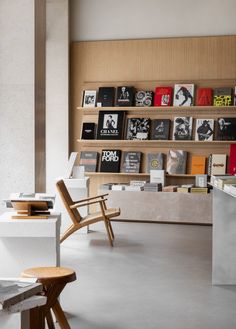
89	98
204	130
182	128
158	176
184	94
218	164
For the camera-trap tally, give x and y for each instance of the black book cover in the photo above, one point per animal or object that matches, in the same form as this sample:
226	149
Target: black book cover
226	129
88	130
144	98
89	160
160	129
131	162
110	125
125	96
110	161
138	128
106	96
223	96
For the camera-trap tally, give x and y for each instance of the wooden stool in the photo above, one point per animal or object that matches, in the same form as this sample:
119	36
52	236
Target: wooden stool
53	279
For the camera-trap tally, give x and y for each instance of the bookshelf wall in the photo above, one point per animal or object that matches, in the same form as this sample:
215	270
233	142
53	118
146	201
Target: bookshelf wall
146	64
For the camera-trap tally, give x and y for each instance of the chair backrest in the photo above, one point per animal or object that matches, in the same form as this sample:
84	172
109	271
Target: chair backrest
66	198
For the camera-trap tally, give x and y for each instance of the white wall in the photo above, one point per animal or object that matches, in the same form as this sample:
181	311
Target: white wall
127	19
16	97
56	91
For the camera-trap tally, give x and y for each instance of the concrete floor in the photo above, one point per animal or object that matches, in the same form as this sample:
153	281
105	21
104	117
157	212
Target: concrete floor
157	276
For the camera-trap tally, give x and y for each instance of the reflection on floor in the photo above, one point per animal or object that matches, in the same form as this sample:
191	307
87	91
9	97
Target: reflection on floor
157	276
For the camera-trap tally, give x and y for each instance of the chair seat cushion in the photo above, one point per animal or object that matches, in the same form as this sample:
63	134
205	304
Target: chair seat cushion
98	216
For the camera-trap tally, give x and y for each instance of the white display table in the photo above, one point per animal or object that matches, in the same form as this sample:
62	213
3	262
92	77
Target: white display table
28	243
224	238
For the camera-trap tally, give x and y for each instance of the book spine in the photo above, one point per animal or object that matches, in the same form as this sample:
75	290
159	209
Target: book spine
209	169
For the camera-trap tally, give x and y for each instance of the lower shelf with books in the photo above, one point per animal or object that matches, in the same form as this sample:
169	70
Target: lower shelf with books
162	206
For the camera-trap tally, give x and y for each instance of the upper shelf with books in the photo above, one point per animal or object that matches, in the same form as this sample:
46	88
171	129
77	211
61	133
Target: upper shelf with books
135	174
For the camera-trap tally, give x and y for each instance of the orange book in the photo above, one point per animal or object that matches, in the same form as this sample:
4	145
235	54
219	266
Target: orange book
198	165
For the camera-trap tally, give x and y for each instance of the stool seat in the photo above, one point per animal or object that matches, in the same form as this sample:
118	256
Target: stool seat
53	279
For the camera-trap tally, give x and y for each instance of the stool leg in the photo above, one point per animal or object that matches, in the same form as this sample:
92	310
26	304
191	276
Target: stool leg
37	320
49	319
60	316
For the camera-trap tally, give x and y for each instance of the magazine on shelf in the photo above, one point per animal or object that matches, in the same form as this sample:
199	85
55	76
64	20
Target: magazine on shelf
160	129
222	96
182	128
144	98
125	96
176	162
183	94
226	129
131	162
89	99
110	125
110	161
138	128
204	129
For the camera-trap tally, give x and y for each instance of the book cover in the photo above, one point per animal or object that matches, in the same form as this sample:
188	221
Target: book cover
110	161
204	129
144	98
182	128
226	129
106	96
217	164
88	130
183	94
222	96
138	128
201	180
131	162
154	161
158	176
176	162
232	159
125	96
110	125
204	97
89	99
89	160
198	165
160	129
163	96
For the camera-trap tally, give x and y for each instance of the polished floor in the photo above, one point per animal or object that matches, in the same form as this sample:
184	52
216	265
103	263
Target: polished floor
157	276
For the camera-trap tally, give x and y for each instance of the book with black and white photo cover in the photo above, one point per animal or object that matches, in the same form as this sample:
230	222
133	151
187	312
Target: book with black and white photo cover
125	96
110	125
154	161
182	128
184	94
110	161
138	128
89	159
89	99
226	129
217	164
163	96
131	162
106	97
88	130
144	98
160	129
204	130
176	162
222	96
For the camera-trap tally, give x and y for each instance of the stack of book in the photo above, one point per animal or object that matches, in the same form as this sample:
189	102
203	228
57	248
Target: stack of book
152	187
230	188
203	190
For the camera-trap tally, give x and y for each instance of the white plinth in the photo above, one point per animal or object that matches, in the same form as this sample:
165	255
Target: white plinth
224	238
28	243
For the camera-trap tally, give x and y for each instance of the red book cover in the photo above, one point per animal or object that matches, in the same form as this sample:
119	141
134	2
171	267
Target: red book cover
204	97
232	159
163	96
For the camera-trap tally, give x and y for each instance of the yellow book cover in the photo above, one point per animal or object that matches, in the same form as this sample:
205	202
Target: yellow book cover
198	165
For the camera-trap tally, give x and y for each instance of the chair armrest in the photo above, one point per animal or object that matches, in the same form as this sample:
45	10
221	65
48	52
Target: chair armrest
77	205
91	198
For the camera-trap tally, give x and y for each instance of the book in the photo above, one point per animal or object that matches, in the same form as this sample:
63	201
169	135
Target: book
163	96
203	190
106	97
125	96
183	189
182	128
137	182
217	164
220	182
152	187
70	165
110	161
232	159
89	160
176	162
138	128
134	188
204	129
160	129
222	96
226	129
144	98
158	176
230	188
89	99
235	96
198	165
169	188
110	125
154	161
88	130
204	96
131	162
183	94
119	187
106	186
201	180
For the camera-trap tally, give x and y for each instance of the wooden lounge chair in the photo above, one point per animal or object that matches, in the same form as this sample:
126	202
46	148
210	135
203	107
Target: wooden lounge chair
104	213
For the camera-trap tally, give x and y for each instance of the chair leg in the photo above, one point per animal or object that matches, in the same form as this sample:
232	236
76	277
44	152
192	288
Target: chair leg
106	222
60	316
111	230
49	319
68	232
